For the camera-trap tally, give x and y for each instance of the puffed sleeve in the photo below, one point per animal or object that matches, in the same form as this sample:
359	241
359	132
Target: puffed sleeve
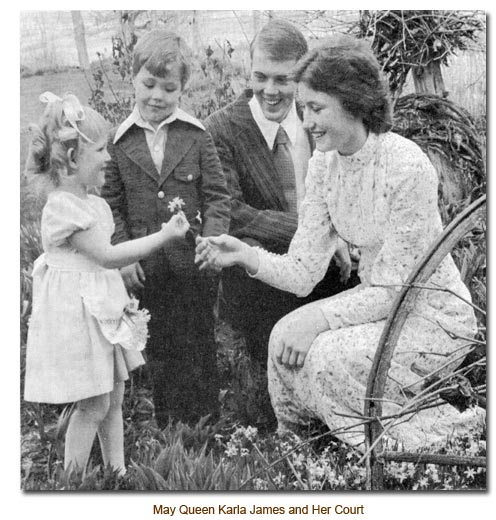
313	244
63	215
413	223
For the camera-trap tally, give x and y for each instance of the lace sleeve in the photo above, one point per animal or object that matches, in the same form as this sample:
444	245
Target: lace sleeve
413	222
313	244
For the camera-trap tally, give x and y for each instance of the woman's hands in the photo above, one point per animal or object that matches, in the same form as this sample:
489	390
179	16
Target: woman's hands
225	251
343	260
294	334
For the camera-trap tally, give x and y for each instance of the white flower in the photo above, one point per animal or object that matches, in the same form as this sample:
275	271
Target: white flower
198	217
424	482
432	472
250	431
176	204
231	450
260	484
298	460
331	475
315	471
279	479
470	473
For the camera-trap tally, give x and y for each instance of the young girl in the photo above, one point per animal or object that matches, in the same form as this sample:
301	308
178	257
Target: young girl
85	333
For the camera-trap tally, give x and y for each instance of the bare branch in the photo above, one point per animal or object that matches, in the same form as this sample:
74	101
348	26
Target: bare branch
433	458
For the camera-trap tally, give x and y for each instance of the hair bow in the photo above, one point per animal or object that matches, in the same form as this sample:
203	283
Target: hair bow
71	108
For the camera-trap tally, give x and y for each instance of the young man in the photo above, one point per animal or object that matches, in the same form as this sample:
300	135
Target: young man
264	152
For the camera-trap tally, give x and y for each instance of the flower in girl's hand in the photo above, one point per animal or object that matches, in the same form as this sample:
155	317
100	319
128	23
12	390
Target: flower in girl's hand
176	205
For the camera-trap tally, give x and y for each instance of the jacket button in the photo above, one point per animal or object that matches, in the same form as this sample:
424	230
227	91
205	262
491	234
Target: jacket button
190	177
160	194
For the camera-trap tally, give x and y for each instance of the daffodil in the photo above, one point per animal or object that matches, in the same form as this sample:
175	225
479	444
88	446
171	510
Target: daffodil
470	473
176	204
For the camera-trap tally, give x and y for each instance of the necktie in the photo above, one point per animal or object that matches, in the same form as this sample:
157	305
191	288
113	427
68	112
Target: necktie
285	168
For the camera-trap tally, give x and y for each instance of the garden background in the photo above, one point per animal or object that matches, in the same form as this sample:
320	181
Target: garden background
237	452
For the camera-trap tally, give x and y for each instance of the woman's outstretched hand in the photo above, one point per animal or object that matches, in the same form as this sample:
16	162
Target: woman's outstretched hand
224	251
294	334
217	252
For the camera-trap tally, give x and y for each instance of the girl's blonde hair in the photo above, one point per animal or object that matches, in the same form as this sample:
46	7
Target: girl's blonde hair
64	124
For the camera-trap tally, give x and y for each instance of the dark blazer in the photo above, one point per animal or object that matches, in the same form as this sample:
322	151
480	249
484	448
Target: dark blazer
139	196
259	212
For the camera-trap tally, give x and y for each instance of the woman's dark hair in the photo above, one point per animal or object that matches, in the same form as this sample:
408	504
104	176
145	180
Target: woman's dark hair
346	68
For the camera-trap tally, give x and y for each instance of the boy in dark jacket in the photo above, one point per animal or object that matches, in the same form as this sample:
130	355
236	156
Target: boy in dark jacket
161	159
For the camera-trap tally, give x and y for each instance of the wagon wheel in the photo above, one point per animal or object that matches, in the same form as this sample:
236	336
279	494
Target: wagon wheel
389	338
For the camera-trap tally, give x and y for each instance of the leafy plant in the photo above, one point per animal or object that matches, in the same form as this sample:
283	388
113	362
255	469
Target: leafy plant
211	86
220	457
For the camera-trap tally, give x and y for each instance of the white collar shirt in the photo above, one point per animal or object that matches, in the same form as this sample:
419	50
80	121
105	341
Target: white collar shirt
299	146
156	139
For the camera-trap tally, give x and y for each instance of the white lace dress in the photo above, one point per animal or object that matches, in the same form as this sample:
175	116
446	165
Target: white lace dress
85	333
383	200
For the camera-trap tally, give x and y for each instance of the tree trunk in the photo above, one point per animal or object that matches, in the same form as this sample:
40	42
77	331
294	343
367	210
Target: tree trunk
44	38
127	22
428	79
256	21
454	186
195	32
82	49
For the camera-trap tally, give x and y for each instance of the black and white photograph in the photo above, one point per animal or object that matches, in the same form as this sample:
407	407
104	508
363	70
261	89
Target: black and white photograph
253	258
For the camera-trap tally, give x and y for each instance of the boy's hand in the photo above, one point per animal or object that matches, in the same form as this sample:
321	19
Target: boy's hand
176	227
133	277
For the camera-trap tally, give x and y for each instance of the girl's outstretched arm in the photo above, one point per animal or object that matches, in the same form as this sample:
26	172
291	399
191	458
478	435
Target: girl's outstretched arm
94	244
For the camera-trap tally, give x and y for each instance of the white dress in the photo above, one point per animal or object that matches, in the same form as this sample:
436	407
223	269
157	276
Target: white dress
82	315
383	200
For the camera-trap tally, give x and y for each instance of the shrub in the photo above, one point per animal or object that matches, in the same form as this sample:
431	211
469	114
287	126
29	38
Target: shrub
212	85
